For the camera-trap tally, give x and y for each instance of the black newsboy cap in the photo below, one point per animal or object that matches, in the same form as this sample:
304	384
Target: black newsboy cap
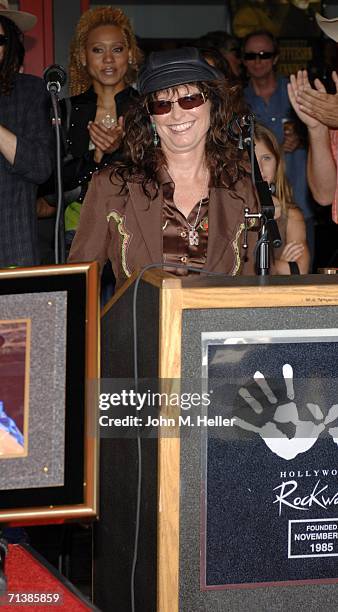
165	69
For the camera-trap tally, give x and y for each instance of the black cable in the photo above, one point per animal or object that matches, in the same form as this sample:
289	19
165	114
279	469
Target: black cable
59	240
136	379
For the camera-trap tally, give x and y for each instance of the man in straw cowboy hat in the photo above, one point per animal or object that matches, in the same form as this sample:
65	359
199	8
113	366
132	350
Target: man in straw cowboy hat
25	143
319	111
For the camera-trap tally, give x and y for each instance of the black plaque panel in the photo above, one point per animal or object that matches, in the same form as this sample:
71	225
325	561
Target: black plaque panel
236	543
277	464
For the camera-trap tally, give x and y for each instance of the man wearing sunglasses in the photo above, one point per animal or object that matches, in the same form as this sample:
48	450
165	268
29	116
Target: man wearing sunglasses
25	143
179	198
267	96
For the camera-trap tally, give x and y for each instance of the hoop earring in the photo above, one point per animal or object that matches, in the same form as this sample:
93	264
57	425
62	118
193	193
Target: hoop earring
156	139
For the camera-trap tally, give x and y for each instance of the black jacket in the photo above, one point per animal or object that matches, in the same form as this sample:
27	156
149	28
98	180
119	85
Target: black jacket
79	163
25	112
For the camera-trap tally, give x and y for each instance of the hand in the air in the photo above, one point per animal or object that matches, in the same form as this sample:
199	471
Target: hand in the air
319	104
314	104
298	84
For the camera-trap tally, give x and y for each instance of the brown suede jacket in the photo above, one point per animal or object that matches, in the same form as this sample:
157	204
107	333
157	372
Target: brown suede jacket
126	227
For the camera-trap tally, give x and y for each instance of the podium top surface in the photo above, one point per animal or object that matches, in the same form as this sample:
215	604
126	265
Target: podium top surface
221	291
258	281
160	278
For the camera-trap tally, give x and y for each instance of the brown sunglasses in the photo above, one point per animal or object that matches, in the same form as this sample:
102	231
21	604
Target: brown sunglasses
162	107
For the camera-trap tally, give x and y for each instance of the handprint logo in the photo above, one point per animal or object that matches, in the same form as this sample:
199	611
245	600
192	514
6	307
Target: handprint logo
306	433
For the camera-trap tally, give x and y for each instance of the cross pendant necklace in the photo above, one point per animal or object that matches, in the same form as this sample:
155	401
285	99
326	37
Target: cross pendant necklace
193	236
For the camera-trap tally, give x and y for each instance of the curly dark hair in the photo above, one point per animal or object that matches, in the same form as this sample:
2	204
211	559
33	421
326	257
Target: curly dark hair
226	162
14	54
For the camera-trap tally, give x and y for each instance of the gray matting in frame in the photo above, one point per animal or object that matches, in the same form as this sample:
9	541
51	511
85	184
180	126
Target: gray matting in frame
44	464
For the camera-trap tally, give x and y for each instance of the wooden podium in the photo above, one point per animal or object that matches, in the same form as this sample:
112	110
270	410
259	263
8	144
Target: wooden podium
185	326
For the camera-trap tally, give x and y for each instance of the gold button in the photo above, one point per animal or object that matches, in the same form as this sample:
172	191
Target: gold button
183	234
184	259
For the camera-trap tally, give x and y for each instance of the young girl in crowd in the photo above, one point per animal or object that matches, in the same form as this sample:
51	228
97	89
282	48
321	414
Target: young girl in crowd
293	256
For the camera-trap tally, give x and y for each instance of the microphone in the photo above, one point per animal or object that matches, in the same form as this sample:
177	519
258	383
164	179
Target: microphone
236	126
246	119
55	77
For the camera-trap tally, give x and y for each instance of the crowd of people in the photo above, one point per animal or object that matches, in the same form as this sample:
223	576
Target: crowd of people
152	169
154	166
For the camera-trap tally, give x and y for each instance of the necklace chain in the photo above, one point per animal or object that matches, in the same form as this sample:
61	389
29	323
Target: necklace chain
193	234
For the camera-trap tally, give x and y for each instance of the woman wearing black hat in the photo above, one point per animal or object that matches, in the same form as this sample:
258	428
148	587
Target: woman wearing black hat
180	196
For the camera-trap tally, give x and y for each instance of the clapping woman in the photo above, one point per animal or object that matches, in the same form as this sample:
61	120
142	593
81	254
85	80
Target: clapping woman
104	59
103	64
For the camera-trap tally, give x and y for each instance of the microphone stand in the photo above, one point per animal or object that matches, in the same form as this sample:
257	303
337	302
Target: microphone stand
59	235
269	232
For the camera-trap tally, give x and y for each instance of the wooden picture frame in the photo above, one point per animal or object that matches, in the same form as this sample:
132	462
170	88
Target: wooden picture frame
55	478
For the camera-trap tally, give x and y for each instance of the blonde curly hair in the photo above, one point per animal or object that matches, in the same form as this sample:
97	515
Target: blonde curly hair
79	78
